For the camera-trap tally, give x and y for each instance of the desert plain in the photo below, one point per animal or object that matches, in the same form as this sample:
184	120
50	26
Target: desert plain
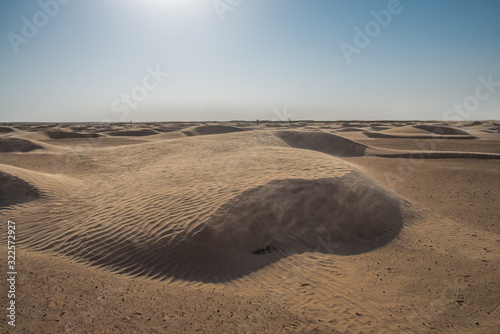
239	227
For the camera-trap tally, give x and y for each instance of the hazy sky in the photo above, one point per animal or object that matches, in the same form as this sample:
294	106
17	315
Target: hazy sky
107	60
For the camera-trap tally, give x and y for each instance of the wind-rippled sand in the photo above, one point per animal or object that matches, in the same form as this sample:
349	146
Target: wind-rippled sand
238	228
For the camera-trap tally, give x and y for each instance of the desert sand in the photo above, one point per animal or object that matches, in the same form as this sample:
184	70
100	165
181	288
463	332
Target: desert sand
234	227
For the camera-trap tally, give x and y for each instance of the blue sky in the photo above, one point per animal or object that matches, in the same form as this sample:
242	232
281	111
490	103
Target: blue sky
92	60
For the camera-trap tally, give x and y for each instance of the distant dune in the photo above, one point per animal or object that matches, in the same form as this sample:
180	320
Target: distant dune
17	145
133	133
421	132
323	142
4	129
67	134
211	130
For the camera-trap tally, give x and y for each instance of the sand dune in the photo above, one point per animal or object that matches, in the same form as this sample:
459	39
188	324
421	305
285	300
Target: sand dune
280	205
133	133
354	125
323	142
422	132
287	229
435	155
351	130
211	130
66	134
345	147
231	243
167	129
378	127
441	130
14	190
17	145
5	129
475	123
406	129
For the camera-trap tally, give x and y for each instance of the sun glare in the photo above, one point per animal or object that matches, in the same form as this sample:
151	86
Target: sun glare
180	8
171	3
